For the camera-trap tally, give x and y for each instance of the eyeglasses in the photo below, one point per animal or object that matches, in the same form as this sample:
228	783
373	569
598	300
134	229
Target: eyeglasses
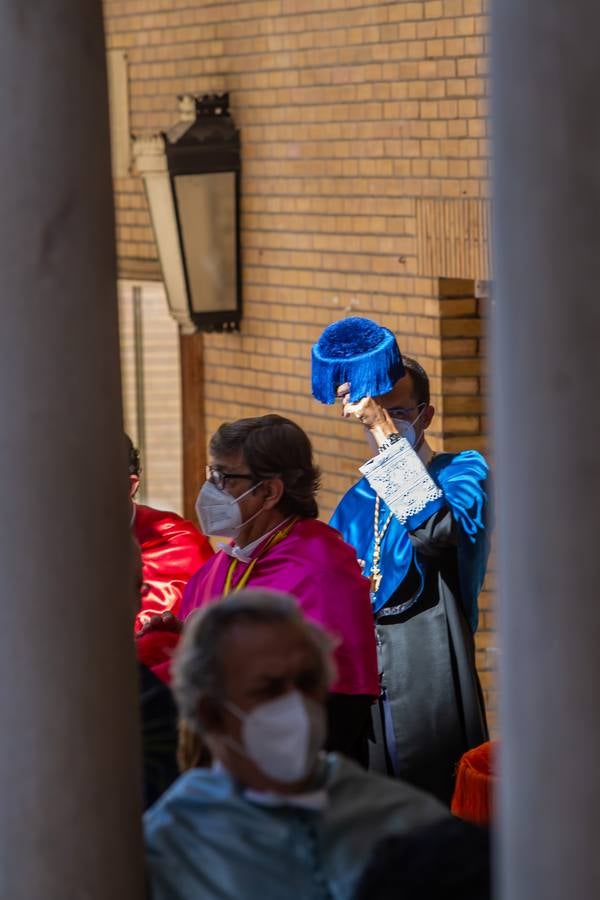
220	479
403	412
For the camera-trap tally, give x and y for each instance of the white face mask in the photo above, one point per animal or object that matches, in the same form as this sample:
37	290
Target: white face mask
219	513
405	429
282	737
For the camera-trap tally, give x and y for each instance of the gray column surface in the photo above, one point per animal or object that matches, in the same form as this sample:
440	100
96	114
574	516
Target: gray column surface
69	754
546	367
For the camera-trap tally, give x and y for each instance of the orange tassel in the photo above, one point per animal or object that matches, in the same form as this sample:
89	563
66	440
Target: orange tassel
472	799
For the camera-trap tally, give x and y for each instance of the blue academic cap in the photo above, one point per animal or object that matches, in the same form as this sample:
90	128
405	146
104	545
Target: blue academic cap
358	351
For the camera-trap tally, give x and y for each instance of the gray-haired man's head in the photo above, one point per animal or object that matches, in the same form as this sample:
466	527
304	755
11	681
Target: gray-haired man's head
238	654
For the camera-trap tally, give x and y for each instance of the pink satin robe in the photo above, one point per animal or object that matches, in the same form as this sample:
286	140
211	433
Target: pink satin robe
315	565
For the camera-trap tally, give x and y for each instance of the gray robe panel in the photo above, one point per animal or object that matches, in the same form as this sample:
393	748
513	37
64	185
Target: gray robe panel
431	709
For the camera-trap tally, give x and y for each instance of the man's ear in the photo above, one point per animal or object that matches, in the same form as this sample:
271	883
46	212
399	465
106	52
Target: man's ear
428	414
134	483
210	714
275	491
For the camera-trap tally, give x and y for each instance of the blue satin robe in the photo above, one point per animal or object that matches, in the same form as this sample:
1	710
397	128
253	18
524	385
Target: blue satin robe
426	613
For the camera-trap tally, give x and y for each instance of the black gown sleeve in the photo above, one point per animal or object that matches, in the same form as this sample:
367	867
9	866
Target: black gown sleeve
158	714
349	726
436	534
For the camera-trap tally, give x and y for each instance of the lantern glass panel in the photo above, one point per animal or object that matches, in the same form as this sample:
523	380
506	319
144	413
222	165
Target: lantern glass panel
207	218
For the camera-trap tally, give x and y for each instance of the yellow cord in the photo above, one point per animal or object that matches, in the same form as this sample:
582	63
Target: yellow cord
276	539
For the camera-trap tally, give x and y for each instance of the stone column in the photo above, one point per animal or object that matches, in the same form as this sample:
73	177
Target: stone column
69	755
546	85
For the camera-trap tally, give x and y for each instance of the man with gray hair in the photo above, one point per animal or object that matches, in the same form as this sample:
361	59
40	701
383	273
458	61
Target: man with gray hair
275	817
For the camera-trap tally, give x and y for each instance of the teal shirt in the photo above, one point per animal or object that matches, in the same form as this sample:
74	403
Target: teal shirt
205	840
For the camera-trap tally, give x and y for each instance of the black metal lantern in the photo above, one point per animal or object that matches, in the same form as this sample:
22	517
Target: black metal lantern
192	180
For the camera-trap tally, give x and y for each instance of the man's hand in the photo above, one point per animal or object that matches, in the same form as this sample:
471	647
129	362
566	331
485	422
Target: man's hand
161	622
369	413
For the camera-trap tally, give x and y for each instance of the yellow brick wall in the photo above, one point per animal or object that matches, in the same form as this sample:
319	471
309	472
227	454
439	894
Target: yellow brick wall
352	114
463	327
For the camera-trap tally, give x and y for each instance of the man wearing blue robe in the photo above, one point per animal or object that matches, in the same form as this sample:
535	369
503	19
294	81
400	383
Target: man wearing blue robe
419	523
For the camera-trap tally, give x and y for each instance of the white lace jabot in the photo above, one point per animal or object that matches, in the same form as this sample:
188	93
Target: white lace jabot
399	476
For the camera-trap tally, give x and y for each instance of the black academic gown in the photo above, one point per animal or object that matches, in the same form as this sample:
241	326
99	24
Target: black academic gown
158	719
431	710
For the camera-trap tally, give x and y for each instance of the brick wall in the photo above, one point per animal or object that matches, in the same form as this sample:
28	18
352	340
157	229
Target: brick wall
350	114
365	181
463	327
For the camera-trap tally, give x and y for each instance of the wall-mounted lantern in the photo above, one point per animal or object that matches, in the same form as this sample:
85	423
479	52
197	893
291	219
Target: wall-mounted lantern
192	178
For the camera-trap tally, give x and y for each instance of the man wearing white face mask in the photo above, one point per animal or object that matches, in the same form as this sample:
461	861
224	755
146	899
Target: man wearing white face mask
260	493
275	817
418	520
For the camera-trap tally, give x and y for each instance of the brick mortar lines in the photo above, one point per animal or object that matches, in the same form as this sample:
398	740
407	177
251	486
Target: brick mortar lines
346	7
268	5
334	232
339	109
399	58
304	29
254	89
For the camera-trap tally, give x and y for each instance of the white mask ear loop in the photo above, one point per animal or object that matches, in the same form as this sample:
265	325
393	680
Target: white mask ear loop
258	511
226	738
249	491
415	422
406	428
234	710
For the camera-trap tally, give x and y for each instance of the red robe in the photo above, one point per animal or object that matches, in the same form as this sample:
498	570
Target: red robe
172	550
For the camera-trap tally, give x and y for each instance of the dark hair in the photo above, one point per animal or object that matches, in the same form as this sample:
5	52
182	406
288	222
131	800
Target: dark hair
420	379
274	447
134	457
447	860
